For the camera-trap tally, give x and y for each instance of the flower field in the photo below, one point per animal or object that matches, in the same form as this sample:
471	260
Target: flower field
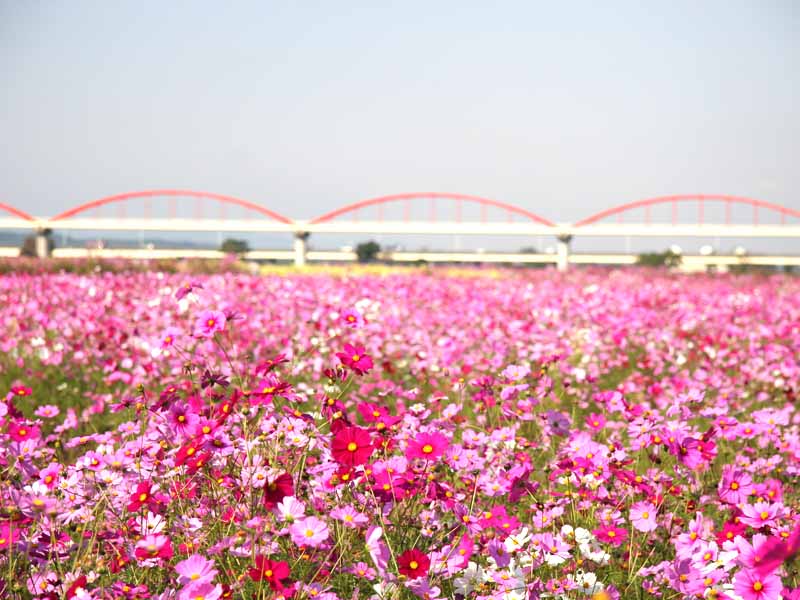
509	434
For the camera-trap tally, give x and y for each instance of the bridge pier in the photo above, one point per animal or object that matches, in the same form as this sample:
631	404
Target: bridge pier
42	243
562	252
300	248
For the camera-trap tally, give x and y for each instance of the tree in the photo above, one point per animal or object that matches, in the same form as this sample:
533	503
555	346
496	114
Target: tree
231	246
668	258
367	251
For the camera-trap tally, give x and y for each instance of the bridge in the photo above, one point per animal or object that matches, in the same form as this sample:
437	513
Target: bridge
425	213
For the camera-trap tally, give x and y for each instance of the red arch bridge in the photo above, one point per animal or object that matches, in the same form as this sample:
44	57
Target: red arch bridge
425	213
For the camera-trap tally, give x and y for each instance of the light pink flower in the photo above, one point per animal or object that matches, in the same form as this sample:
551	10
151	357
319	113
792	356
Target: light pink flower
310	531
643	516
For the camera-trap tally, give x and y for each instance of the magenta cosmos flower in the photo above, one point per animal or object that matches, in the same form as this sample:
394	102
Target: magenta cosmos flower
355	358
186	289
608	534
154	546
429	446
209	322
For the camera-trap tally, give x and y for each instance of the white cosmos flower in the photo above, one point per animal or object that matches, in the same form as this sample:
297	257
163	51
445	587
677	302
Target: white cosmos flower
580	535
470	577
518	540
587	582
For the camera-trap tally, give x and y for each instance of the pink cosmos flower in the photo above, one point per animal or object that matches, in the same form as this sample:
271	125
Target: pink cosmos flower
378	550
349	516
195	569
352	318
48	411
49	475
310	531
643	516
735	486
428	446
752	586
209	322
201	589
761	514
170	336
596	421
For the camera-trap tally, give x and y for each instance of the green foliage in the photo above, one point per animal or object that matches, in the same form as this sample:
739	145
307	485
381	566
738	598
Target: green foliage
668	258
232	246
367	251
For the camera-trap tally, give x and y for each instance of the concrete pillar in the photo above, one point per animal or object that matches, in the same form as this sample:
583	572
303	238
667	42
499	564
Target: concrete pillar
300	247
562	252
42	244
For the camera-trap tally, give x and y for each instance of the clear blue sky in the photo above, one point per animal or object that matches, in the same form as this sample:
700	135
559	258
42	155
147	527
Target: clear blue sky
563	108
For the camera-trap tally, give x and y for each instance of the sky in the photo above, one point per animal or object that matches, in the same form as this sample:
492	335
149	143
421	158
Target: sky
561	108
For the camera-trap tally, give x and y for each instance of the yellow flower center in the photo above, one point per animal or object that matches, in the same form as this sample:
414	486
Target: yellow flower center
352	446
413	564
427	448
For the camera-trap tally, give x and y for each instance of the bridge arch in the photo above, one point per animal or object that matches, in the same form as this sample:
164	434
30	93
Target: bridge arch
16	212
118	198
458	199
700	200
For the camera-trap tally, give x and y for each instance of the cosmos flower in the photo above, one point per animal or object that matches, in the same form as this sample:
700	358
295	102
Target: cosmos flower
752	586
356	359
735	486
413	563
195	569
277	489
351	446
208	323
609	534
428	446
275	573
154	546
643	516
310	531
